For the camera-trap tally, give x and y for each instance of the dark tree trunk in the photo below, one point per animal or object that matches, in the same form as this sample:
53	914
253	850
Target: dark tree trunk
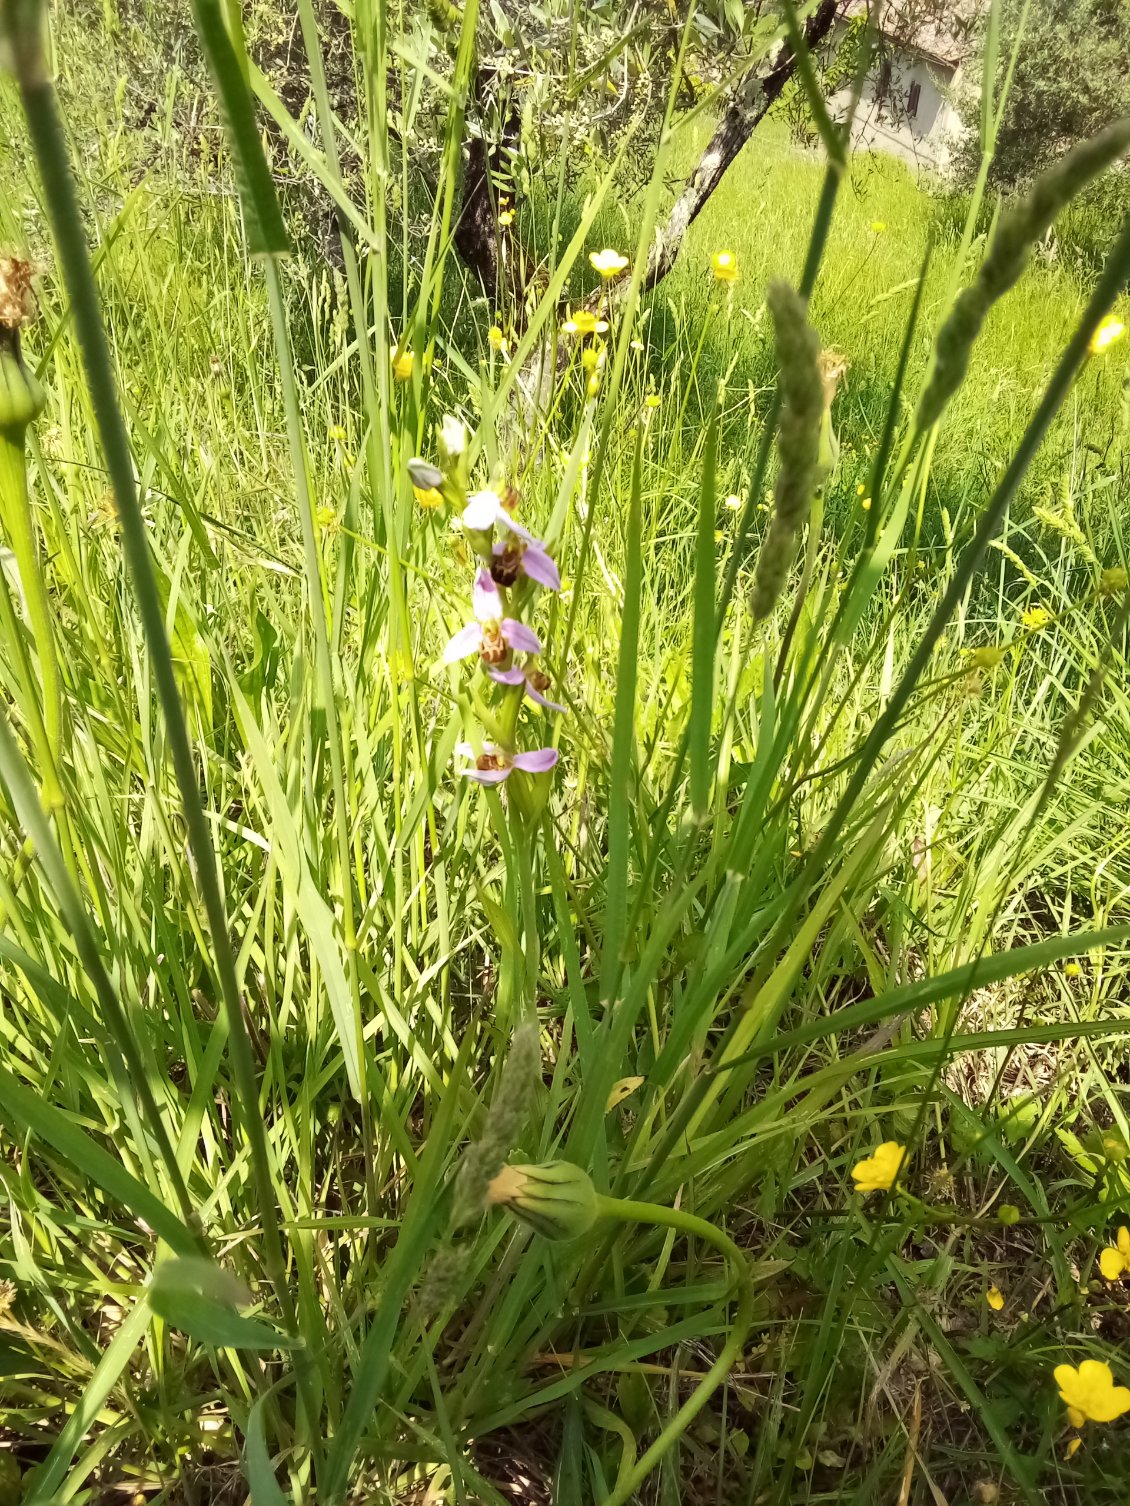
490	250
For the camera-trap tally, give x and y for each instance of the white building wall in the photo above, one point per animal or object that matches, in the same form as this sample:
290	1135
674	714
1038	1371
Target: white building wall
905	110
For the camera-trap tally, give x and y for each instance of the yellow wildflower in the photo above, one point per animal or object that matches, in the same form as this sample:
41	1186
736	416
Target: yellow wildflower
1110	329
724	265
326	519
1072	970
1073	1447
337	433
428	496
733	502
591	358
1090	1393
495	338
1035	618
652	400
1115	1259
878	226
403	362
607	262
584	322
860	489
995	1298
876	1173
866	504
986	658
506	217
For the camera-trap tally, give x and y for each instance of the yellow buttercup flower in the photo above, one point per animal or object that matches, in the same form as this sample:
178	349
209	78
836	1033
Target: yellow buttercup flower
506	217
1073	1447
1110	329
495	338
608	263
428	496
1072	970
1115	1259
1090	1393
878	226
724	265
1035	618
403	362
876	1173
652	400
986	658
584	322
995	1298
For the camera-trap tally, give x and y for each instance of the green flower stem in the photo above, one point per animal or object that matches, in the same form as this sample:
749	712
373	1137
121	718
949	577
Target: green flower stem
523	837
15	508
626	1210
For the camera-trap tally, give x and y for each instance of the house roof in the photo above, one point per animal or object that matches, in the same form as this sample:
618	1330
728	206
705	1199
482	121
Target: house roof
939	29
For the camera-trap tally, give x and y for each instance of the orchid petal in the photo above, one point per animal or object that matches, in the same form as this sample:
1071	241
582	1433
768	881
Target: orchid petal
508	522
482	511
466	641
537	761
485	599
540	567
487	776
519	636
465	750
536	695
513	676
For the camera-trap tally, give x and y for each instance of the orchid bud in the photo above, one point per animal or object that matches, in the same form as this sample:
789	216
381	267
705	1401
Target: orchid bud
424	475
452	439
557	1200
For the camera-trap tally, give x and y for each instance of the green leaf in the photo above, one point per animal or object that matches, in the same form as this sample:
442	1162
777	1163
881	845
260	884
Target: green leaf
25	1112
200	1298
262	217
702	658
260	1476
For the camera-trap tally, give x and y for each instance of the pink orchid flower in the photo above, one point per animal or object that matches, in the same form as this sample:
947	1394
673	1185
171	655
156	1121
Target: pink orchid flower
519	553
491	635
494	764
533	681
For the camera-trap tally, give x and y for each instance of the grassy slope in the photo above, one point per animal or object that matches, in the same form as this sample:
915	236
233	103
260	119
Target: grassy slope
847	1332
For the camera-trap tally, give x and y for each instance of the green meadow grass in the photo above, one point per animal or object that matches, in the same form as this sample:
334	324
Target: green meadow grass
758	936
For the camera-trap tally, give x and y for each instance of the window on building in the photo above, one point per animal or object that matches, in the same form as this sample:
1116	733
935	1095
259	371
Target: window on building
912	99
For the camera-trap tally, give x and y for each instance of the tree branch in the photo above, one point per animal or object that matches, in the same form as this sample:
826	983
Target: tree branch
752	101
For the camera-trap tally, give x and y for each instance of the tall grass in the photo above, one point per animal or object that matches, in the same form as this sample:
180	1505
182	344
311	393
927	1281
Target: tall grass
853	874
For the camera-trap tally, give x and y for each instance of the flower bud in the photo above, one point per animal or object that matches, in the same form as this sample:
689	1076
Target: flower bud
22	399
452	439
424	475
557	1200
